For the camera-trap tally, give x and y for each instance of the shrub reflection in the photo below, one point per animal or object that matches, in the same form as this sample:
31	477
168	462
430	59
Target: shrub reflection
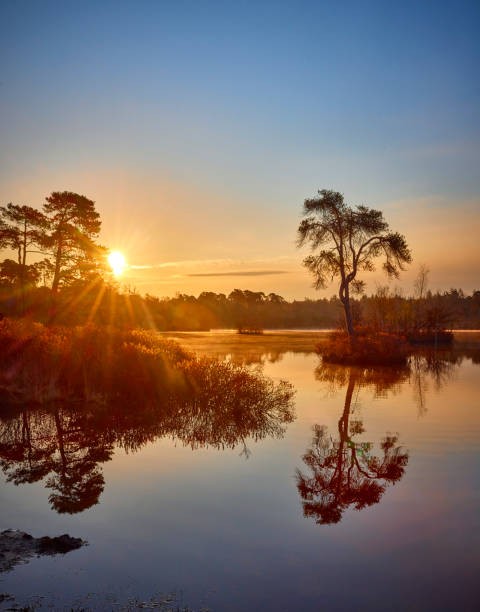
67	444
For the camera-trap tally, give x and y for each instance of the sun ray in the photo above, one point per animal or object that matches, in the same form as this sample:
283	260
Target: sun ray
89	288
96	304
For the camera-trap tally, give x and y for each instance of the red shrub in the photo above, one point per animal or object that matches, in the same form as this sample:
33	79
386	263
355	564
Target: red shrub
365	348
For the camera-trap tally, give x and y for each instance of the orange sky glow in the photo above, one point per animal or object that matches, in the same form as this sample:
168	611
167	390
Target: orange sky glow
181	239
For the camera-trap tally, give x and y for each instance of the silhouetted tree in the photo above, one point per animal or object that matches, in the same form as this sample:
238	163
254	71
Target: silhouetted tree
74	226
13	273
22	229
346	241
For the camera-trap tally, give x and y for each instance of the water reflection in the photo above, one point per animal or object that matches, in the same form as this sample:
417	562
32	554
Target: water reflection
429	366
66	445
271	348
240	349
345	471
348	472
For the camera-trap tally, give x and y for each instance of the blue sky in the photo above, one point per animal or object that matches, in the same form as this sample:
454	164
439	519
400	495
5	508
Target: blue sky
199	128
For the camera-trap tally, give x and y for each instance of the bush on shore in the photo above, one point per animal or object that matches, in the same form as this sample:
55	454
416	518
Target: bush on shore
40	363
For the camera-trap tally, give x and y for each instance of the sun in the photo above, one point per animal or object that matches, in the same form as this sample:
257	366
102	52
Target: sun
117	262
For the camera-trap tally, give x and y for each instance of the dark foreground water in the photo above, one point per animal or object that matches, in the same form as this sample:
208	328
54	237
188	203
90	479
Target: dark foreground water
369	499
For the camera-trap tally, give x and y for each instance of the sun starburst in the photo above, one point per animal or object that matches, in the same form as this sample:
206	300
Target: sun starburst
117	262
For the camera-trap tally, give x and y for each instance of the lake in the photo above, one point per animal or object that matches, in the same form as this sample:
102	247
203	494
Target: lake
365	496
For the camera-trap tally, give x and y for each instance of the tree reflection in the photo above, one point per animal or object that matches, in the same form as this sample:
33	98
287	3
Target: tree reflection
76	481
25	461
54	443
345	471
65	445
431	366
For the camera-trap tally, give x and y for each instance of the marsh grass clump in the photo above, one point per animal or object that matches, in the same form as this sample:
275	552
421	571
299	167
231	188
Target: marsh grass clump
42	364
365	348
109	366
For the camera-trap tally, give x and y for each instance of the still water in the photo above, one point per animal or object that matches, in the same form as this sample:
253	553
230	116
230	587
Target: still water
363	492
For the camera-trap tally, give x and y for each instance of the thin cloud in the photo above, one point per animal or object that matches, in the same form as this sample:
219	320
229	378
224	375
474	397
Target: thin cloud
183	263
246	273
224	263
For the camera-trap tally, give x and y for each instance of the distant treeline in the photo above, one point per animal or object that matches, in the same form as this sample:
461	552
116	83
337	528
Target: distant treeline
102	303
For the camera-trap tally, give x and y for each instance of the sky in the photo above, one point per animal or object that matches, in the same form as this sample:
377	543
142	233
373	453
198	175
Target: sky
199	128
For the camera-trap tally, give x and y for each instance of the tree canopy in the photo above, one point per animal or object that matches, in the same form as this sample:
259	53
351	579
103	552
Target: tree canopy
22	230
65	233
74	226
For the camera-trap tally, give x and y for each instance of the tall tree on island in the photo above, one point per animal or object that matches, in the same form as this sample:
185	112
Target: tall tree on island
345	241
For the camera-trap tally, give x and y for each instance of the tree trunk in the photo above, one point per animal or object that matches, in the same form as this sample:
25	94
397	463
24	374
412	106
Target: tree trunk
61	446
343	435
23	268
345	299
56	275
55	283
343	421
24	246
